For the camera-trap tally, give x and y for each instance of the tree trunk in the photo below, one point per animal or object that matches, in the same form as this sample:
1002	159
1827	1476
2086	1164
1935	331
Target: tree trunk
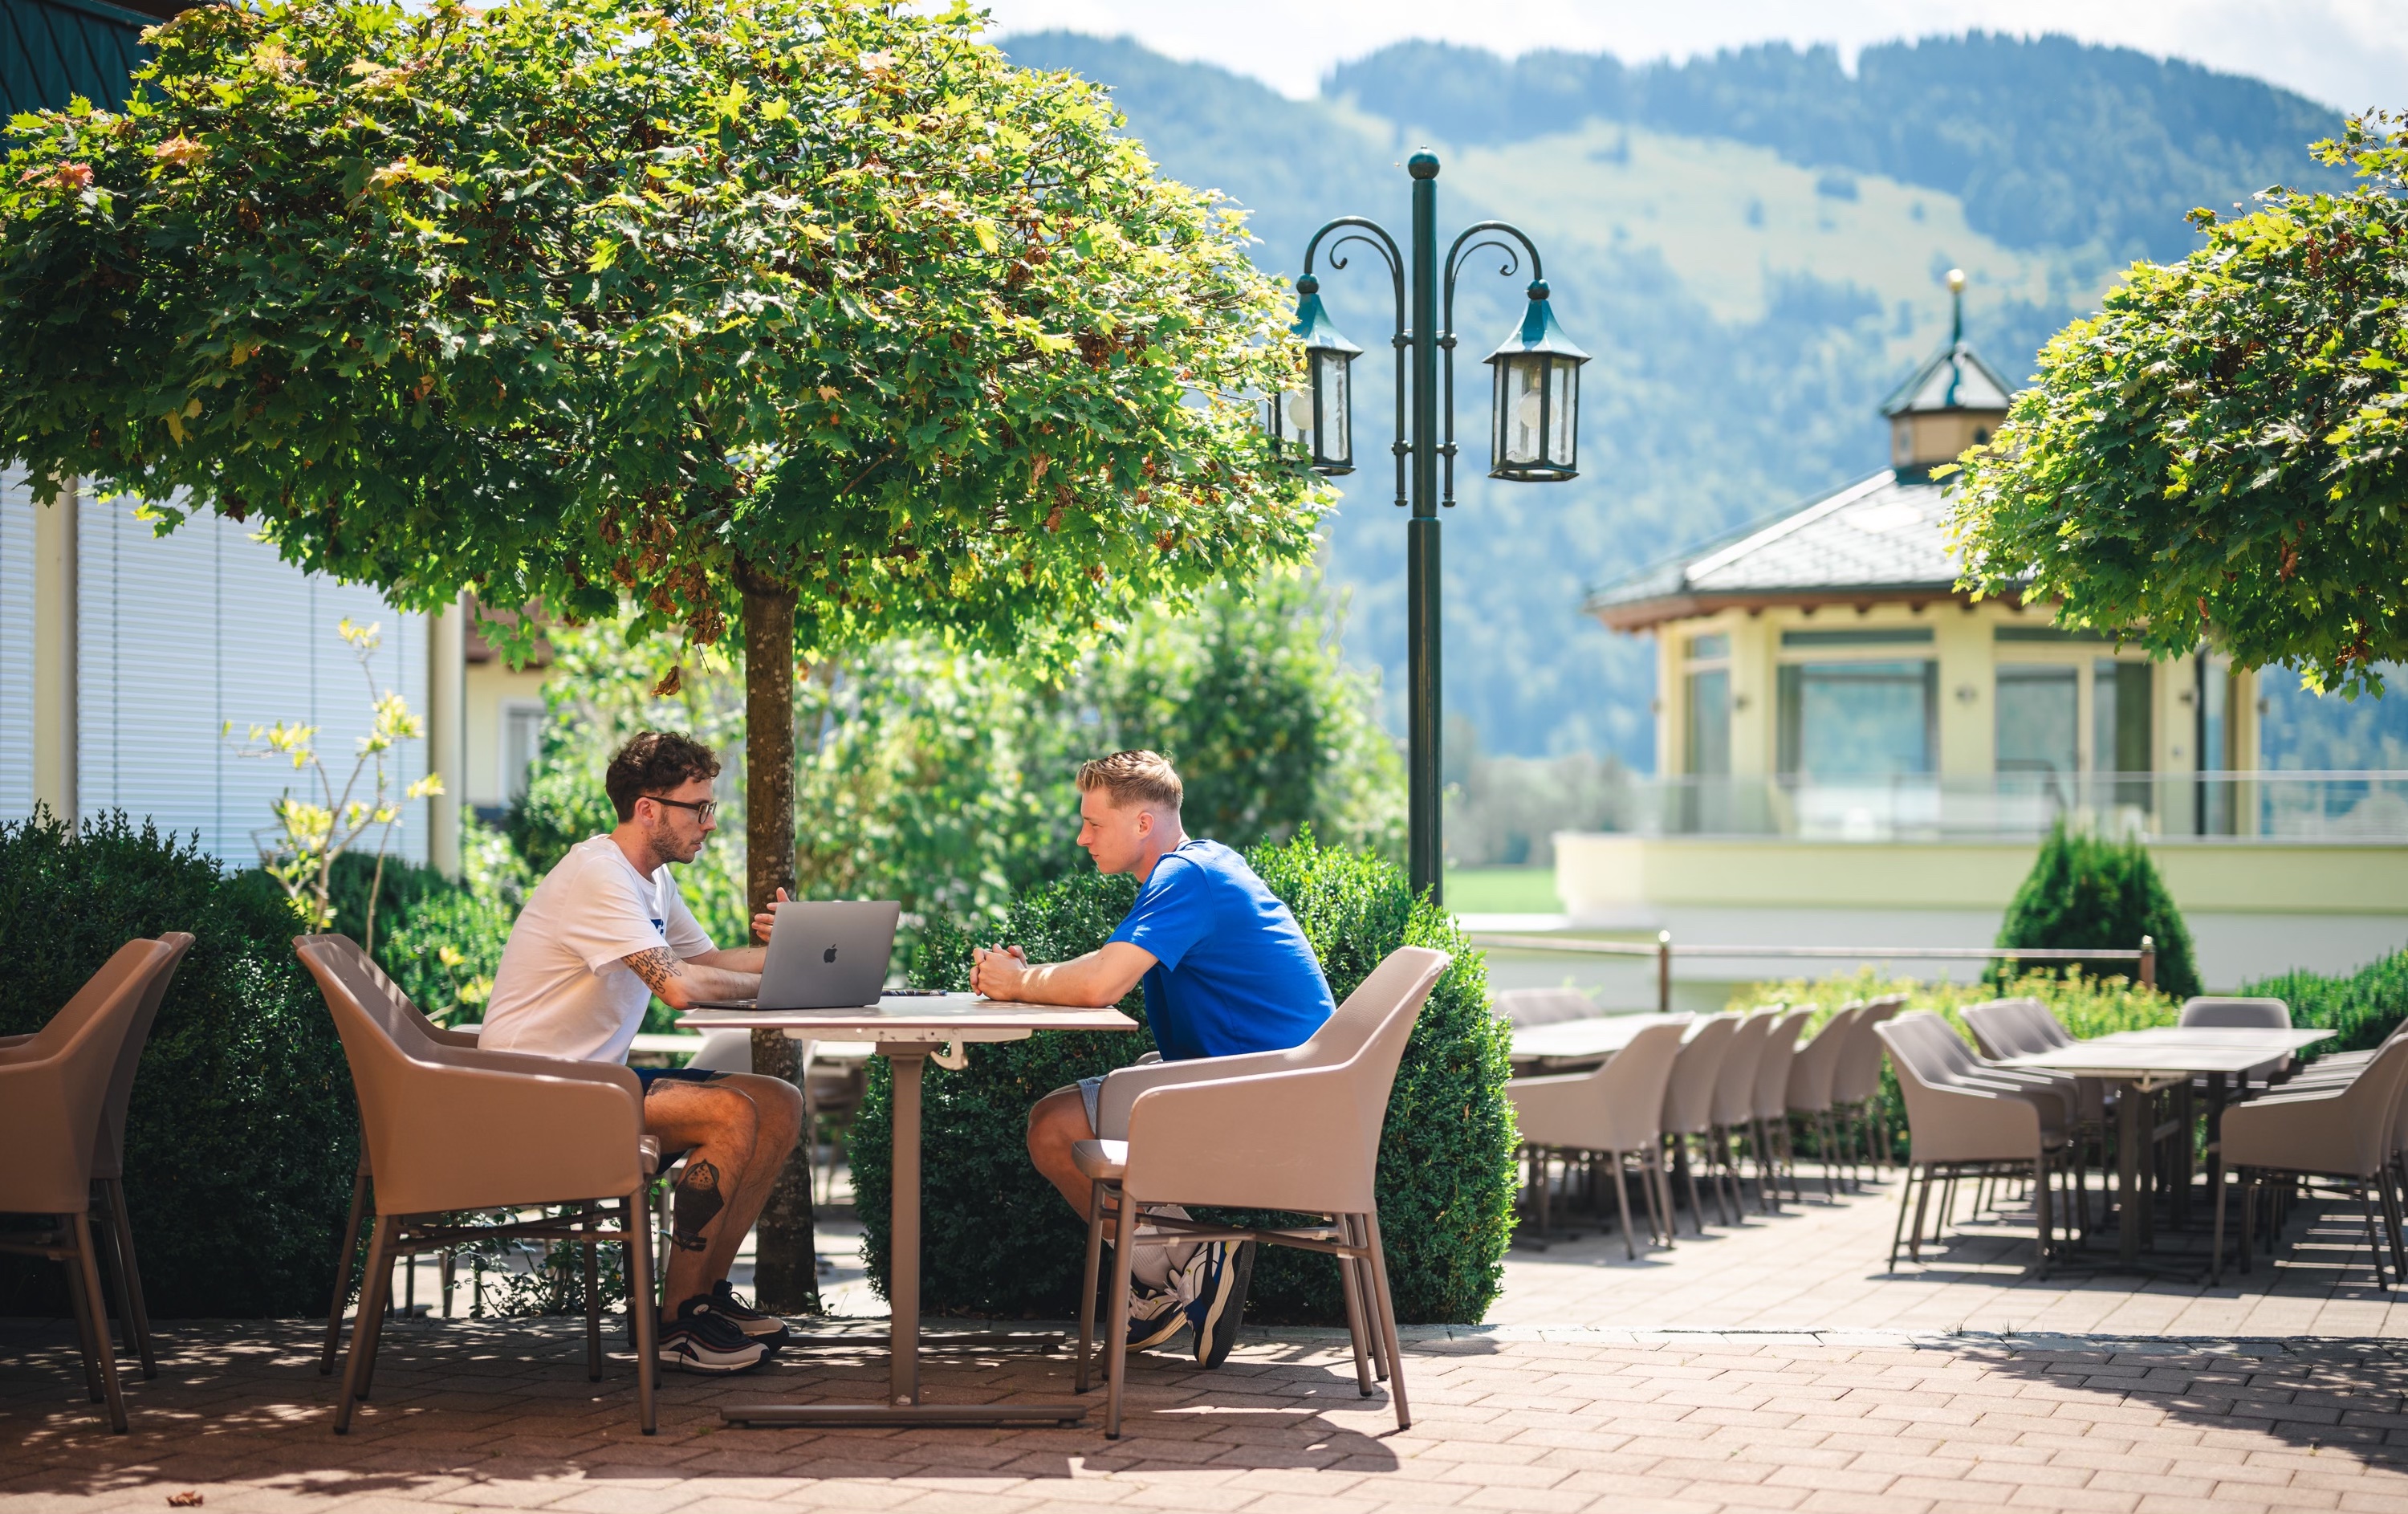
785	1276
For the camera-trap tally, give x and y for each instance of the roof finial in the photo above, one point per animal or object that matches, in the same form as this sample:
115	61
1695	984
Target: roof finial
1956	300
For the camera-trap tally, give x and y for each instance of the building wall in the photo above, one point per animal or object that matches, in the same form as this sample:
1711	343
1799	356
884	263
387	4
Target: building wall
1964	644
16	646
177	637
2253	907
494	687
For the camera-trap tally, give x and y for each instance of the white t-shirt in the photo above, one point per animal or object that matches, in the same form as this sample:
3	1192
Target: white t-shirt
564	987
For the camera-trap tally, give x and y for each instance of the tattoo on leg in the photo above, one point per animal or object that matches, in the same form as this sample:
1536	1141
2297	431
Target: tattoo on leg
699	1203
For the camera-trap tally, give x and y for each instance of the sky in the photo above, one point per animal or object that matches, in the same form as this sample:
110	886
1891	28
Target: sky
2346	53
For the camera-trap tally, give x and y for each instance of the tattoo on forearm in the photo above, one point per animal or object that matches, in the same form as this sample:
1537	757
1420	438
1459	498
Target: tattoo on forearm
699	1203
656	967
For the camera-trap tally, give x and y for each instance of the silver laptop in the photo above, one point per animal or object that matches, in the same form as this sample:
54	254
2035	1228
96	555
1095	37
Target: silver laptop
824	956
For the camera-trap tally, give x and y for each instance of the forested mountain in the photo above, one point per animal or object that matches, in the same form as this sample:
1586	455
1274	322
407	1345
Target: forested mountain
1751	245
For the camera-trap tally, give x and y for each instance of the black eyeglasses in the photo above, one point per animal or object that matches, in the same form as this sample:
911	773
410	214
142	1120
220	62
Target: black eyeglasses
703	810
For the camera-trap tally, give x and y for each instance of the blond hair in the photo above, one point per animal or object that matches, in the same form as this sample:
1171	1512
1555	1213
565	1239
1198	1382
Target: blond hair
1134	778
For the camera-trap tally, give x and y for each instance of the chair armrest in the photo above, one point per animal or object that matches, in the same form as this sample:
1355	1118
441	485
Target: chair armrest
1286	1140
1122	1085
529	1064
467	1039
49	1161
450	1136
1972	1124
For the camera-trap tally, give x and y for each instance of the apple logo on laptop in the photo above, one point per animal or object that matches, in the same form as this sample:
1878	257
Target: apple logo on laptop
830	956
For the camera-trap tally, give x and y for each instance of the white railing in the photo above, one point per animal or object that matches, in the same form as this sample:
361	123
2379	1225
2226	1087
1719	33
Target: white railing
2336	807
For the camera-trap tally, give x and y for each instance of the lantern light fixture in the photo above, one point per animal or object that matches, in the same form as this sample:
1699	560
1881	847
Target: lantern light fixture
1318	418
1534	430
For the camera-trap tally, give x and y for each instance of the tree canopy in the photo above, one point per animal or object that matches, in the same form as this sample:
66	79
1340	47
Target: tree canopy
2221	452
591	299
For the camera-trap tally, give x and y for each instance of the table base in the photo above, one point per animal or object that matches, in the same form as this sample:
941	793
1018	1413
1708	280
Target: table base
950	1415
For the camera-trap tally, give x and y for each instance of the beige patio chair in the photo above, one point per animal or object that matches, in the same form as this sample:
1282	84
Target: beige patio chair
414	1027
2264	1014
1688	1117
1301	1138
453	1131
1735	1095
2019	1027
2342	1066
54	1103
1772	1065
1961	1124
1857	1080
1808	1097
2348	1132
119	1264
1616	1112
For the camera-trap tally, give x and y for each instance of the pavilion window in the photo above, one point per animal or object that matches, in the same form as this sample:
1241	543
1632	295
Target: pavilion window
2040	730
2121	731
1856	722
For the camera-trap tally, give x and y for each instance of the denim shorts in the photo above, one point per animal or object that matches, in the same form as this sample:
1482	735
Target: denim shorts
650	1076
1091	1089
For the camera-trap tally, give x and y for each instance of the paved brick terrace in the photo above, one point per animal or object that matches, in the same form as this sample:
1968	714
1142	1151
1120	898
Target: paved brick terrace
1771	1366
478	1415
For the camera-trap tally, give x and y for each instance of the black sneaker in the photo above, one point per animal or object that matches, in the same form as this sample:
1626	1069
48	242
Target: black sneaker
701	1339
767	1329
1220	1301
1155	1315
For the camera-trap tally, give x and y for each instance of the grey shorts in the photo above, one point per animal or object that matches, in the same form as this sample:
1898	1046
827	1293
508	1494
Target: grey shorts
1091	1089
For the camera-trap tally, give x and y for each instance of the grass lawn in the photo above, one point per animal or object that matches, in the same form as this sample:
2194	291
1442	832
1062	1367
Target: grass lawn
1502	891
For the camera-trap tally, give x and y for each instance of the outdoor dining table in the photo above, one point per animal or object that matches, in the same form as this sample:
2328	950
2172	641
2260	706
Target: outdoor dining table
2145	1061
907	1031
1566	1042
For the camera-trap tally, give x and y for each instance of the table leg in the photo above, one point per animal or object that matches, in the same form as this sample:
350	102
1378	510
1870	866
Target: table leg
2131	1138
2185	1112
903	1283
909	1061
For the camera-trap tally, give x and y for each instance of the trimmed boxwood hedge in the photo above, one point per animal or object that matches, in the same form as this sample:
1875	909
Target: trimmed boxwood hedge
1000	1242
242	1135
2087	890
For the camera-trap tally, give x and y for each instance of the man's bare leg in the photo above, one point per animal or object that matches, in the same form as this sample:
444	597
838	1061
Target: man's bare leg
1056	1123
721	1126
778	1122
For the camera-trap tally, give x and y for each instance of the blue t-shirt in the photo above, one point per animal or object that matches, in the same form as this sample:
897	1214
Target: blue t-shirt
1233	972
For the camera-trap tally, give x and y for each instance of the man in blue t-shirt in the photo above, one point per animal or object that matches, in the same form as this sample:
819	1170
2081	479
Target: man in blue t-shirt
1226	970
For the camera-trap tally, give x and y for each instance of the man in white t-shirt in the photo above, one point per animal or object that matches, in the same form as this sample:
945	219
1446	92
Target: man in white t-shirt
604	931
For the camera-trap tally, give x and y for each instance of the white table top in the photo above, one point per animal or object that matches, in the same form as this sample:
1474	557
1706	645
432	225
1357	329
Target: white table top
2170	1051
914	1017
1585	1040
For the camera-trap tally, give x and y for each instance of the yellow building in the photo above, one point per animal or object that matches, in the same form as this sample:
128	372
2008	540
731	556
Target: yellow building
1852	751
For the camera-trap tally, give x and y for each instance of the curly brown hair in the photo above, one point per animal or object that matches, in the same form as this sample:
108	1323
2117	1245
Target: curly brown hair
654	763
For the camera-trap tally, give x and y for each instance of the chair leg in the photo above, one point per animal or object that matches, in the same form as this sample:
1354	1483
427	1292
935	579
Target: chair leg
1898	1232
343	1258
2216	1245
589	1246
1350	1287
1386	1311
1648	1185
1094	1268
2248	1218
1689	1175
88	1275
644	1315
130	1275
1116	1332
1381	1329
88	1347
377	1282
1660	1192
2042	1212
1622	1197
2373	1239
1922	1203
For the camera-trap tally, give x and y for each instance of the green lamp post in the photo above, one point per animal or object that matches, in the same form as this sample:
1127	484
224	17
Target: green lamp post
1533	433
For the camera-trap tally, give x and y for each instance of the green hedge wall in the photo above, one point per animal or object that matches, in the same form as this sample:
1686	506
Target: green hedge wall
1000	1242
242	1136
2364	1007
